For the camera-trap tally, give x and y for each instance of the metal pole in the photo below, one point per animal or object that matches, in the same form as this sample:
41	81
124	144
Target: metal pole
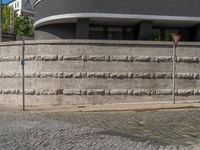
23	77
174	72
1	21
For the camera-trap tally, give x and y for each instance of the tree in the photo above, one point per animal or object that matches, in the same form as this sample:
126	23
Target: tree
23	26
6	19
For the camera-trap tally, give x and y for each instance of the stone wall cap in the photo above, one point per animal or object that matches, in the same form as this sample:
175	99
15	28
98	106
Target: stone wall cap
103	42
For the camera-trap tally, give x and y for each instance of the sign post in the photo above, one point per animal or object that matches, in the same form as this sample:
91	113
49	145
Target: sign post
176	38
23	77
1	21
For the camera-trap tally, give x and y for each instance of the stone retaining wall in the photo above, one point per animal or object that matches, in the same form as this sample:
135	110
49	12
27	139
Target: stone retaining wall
60	72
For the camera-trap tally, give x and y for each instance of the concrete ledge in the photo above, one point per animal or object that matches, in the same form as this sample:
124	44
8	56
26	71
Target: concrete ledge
102	42
151	106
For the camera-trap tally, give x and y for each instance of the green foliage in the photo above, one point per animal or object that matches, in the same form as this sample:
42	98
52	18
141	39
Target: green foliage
6	19
23	26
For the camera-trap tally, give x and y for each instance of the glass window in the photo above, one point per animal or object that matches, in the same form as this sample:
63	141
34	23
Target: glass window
185	34
96	33
168	32
114	33
130	34
156	35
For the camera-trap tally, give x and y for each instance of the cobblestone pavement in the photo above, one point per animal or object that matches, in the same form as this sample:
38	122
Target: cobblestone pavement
158	130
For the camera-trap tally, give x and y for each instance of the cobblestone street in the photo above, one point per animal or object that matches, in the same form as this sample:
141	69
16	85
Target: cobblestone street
158	130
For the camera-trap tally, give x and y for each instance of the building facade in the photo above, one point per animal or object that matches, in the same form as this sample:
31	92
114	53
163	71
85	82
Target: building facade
117	19
23	7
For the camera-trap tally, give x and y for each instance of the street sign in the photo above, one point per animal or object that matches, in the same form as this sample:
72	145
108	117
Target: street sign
176	38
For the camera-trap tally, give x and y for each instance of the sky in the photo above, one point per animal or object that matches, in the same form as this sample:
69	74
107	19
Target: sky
6	1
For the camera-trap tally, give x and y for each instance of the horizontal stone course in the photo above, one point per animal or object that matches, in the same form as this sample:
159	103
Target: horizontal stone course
134	92
111	75
85	58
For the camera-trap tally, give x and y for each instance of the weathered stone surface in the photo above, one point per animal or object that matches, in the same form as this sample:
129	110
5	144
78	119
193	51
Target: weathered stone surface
68	74
27	75
185	75
9	91
29	92
185	92
49	58
59	75
141	92
84	58
188	59
164	92
119	75
161	59
29	58
95	92
130	92
119	58
77	75
71	58
47	75
114	75
84	92
142	58
163	75
118	92
109	73
96	58
71	92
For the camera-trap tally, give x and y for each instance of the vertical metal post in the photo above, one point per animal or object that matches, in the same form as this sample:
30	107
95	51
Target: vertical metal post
1	21
23	77
174	72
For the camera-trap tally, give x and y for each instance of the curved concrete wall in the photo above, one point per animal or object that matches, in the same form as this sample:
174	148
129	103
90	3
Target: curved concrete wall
96	72
65	19
140	7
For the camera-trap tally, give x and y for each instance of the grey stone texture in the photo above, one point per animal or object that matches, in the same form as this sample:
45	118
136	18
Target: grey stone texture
60	72
155	130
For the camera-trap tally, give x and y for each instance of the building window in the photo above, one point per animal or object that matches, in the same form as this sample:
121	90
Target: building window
96	33
156	35
168	34
164	34
114	33
129	34
111	32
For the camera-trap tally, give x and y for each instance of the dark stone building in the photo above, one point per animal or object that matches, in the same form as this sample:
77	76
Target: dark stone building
117	19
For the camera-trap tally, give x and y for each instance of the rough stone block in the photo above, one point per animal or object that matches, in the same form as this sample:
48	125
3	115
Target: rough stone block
119	58
95	92
68	74
142	58
49	58
185	92
119	92
72	92
96	58
164	92
72	57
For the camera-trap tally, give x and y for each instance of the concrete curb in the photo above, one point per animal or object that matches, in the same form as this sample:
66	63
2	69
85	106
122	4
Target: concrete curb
138	107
